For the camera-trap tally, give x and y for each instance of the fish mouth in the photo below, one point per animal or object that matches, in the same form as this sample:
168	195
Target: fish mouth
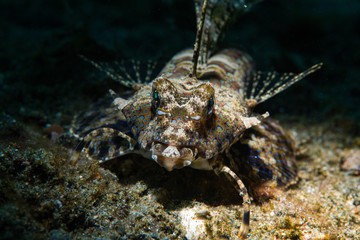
171	156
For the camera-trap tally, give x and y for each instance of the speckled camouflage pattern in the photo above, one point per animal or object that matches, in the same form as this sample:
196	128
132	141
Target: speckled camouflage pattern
204	121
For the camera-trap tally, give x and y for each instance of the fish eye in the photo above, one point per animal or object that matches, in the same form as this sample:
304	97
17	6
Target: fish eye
211	102
156	100
210	105
155	95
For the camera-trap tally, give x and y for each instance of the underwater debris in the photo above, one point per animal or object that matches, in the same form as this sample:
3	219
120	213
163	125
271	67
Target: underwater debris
53	131
351	161
9	127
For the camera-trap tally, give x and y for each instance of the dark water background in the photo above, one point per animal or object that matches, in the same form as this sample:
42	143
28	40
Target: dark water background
43	79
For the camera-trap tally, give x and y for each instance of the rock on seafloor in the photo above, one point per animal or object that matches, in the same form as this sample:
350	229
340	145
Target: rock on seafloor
351	161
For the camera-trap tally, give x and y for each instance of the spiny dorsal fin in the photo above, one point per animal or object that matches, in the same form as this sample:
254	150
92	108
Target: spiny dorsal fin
199	35
212	23
130	73
264	85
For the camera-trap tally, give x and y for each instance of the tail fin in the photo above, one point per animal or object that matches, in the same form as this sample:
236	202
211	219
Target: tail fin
264	85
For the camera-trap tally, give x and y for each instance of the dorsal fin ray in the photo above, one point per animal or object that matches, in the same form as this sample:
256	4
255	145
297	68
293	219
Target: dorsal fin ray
264	85
129	73
213	22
